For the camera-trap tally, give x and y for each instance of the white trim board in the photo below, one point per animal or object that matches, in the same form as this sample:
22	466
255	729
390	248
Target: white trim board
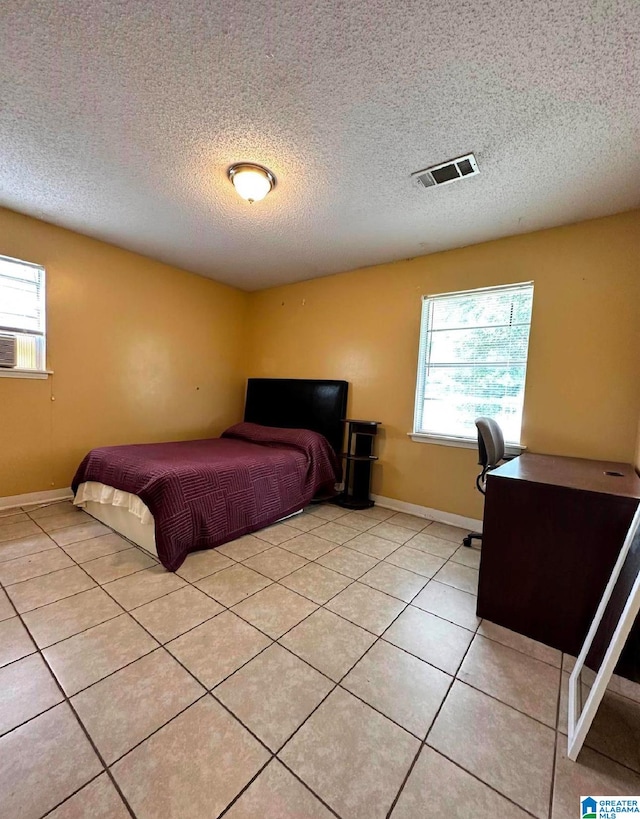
35	498
431	514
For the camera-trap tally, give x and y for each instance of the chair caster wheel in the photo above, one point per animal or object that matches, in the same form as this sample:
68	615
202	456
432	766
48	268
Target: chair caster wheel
467	542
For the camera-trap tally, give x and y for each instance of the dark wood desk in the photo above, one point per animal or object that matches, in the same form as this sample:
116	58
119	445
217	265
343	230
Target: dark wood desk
553	528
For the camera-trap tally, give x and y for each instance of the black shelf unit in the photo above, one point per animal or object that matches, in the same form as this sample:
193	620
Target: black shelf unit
359	459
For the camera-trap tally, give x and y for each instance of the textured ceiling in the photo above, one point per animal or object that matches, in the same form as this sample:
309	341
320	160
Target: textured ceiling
119	120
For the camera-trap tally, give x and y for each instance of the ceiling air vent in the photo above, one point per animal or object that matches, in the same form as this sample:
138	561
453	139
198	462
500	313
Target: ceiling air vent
447	172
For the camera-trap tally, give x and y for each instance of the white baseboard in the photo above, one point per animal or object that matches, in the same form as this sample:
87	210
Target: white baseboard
431	514
35	498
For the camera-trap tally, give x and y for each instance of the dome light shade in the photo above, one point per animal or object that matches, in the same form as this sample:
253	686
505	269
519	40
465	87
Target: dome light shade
252	182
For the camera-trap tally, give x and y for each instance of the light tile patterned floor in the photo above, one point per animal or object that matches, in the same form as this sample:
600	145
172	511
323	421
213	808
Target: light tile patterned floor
332	665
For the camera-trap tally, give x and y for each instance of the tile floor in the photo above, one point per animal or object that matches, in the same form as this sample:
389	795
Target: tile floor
332	665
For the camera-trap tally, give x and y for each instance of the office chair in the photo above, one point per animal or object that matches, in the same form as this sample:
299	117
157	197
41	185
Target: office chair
491	452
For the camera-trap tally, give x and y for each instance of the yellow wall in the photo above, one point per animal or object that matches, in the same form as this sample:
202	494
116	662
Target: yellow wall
141	352
582	392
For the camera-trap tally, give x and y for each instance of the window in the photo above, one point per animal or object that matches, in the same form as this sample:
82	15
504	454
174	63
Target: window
22	315
473	361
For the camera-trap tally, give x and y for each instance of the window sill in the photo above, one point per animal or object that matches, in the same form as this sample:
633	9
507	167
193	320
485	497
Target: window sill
14	372
461	443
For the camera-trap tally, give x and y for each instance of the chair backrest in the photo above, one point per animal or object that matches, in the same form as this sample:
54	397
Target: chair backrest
490	443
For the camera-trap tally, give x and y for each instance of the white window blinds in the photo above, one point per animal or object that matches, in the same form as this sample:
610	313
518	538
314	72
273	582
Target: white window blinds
22	310
473	360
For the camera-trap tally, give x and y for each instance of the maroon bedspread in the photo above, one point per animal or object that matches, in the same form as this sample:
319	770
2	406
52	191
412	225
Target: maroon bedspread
204	493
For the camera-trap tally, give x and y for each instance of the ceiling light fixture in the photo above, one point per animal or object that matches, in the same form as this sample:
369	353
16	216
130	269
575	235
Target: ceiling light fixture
252	182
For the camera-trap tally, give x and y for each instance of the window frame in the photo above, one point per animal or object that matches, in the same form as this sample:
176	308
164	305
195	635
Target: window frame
464	442
41	370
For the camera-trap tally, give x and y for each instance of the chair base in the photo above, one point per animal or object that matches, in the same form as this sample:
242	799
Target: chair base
471	537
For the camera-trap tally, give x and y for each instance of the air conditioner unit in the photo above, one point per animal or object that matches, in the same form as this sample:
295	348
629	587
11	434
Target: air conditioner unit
8	350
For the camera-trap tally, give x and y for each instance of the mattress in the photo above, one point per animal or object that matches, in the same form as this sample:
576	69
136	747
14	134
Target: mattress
122	511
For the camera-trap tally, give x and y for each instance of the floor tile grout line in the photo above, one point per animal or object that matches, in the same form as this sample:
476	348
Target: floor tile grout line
307	787
478	779
513	648
399	600
67	597
514	708
334	686
276	641
43	504
502	702
274	753
393	566
338	685
86	687
30	509
71	795
204	693
418	752
179	713
159	647
425	742
222	704
82	631
401	545
338	682
74	562
128	611
97	584
375	557
34	716
354	580
464	682
473	631
124	611
31	554
35	576
158	644
378	637
113	673
555	743
5	540
58	545
272	545
413	764
211	691
207	691
67	700
192	628
382	713
246	787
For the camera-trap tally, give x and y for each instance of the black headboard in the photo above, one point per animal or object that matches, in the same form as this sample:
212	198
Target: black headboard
299	403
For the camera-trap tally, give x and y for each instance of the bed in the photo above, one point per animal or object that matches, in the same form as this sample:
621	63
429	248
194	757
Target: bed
178	497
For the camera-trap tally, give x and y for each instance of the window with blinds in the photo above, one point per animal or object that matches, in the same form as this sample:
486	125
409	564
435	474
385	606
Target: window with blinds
22	315
473	361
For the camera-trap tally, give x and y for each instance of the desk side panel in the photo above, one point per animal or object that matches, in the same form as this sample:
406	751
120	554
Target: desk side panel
547	553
